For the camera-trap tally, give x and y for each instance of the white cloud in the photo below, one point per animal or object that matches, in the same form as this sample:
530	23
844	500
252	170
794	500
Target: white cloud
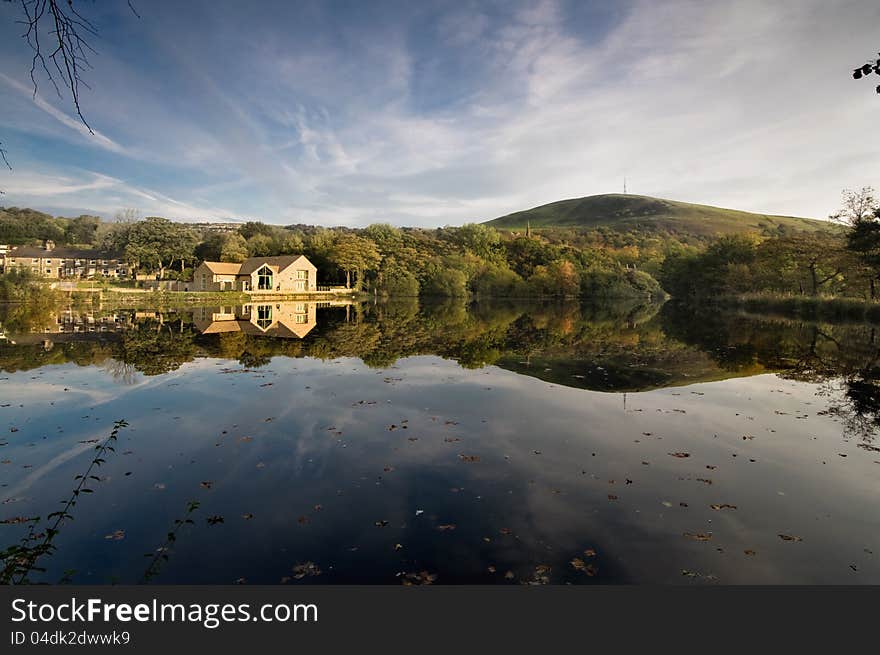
746	104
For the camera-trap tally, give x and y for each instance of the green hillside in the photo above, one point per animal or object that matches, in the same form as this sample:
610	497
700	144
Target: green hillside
643	212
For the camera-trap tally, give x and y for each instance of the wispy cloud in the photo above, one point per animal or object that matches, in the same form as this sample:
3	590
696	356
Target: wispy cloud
94	137
440	114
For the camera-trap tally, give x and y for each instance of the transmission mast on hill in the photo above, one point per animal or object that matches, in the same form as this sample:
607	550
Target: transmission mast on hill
624	184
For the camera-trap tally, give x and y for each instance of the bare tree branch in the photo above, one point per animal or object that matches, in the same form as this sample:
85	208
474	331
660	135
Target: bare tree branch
68	31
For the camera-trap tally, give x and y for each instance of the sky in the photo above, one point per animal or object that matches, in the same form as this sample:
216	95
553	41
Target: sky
441	113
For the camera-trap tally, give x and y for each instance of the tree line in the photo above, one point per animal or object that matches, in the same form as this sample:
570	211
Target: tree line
842	262
475	260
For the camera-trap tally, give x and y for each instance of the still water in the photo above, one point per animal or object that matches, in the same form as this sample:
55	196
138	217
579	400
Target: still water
449	443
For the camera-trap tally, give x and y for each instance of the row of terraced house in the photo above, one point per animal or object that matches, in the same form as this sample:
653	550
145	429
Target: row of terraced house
63	262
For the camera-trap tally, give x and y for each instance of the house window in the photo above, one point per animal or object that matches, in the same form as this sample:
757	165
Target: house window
264	278
204	281
48	261
48	271
302	275
264	316
301	319
300	308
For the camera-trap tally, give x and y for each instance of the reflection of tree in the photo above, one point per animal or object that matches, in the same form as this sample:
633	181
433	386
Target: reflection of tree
859	408
157	347
841	358
122	372
605	347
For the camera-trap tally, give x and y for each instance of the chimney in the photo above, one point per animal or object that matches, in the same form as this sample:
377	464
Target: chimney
48	245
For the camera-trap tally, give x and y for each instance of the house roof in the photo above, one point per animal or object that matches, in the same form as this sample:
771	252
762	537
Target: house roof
61	252
223	268
280	262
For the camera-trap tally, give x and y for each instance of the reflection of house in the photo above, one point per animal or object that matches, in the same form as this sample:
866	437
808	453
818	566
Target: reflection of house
279	319
63	262
283	274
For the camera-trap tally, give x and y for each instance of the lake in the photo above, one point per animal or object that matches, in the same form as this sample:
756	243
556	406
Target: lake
445	443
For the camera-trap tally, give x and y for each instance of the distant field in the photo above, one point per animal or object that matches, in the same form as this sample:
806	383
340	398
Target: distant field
626	212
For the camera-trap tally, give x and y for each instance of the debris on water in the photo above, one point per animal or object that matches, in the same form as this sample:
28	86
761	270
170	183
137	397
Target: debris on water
305	569
718	507
680	455
116	535
541	576
698	536
788	537
214	520
420	578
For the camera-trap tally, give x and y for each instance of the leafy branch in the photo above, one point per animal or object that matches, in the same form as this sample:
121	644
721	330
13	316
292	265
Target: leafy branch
866	69
160	556
21	559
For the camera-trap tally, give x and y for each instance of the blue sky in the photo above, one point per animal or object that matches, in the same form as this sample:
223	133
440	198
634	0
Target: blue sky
440	113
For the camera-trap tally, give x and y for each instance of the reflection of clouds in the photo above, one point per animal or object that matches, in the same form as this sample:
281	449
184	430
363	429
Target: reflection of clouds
555	502
52	464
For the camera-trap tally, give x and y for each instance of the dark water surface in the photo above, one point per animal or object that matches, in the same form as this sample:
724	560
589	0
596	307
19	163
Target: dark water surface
448	443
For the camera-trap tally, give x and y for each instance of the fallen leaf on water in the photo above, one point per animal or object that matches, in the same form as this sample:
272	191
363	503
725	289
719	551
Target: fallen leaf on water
680	455
304	569
446	527
381	524
469	458
698	536
749	552
421	578
117	535
788	537
247	517
722	506
214	520
207	484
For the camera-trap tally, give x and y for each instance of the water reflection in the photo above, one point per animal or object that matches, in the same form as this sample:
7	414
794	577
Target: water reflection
394	442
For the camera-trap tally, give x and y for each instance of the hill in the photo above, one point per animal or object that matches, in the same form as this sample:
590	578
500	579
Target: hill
627	212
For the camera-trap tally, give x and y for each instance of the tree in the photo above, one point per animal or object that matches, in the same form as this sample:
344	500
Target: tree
83	229
857	206
478	239
233	248
157	243
260	245
816	259
558	278
441	280
860	211
354	254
